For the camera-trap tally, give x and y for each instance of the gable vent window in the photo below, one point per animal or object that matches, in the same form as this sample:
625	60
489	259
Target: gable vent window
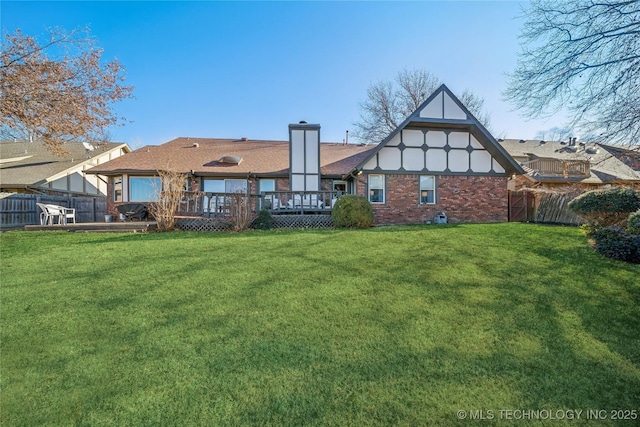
231	160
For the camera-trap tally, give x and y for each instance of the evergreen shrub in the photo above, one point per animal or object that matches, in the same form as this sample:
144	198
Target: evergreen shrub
264	220
351	211
615	243
633	223
604	208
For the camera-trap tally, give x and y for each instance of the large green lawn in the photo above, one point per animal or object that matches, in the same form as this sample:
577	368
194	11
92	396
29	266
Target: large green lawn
387	326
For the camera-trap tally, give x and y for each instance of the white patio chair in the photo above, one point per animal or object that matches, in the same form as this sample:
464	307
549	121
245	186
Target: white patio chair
52	212
69	213
294	202
312	201
63	213
46	217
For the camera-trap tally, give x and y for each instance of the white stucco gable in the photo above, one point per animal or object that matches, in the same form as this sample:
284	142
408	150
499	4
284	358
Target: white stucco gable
441	137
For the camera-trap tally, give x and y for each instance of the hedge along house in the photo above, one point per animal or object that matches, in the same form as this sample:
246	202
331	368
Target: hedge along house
439	160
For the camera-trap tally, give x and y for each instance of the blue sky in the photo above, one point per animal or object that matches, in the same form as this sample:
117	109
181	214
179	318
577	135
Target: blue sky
248	69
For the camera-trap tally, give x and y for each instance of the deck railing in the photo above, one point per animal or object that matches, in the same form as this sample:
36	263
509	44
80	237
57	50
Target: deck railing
220	204
560	167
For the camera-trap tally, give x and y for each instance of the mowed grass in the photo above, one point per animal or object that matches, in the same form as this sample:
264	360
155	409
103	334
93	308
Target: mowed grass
386	326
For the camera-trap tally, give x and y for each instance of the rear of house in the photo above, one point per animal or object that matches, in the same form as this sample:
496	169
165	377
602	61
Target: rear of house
439	162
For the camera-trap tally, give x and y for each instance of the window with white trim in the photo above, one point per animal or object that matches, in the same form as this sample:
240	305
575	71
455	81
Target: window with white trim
376	188
427	189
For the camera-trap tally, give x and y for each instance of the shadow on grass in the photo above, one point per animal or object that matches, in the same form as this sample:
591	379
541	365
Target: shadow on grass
321	327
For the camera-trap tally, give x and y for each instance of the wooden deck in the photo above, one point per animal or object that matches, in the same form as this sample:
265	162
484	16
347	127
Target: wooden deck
95	227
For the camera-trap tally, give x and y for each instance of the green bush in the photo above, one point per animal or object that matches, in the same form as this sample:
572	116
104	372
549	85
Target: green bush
588	229
263	221
633	223
604	208
614	243
351	211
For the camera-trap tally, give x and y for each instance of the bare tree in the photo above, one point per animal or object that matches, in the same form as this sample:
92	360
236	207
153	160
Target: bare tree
240	210
582	56
555	134
170	195
388	104
58	91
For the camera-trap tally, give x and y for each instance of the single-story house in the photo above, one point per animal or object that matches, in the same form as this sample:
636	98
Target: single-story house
582	165
439	160
29	167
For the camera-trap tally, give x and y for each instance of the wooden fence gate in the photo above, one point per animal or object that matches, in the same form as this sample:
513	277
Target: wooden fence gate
521	206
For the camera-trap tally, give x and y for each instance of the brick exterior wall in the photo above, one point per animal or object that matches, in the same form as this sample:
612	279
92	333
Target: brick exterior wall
461	198
111	205
282	184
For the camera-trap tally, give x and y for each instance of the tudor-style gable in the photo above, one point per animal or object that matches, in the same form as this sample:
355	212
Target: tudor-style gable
441	137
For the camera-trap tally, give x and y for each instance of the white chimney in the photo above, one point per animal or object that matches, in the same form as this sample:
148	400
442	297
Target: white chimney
304	157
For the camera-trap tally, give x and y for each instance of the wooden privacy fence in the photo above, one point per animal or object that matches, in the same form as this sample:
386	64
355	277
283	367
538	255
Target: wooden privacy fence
542	207
551	208
18	210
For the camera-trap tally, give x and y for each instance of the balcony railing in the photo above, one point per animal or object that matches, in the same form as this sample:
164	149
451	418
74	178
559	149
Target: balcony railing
565	168
221	204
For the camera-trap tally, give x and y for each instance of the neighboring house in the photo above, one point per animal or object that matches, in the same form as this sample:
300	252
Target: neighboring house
585	166
439	160
29	167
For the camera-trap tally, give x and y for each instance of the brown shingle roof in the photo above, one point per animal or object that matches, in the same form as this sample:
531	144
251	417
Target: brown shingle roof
606	165
202	155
